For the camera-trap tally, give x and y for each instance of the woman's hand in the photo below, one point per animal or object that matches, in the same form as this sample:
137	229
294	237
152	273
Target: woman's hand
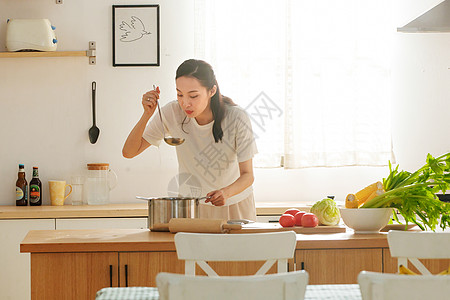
216	198
245	180
149	101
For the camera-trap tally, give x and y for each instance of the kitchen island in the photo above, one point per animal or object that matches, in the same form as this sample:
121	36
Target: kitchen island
17	221
74	264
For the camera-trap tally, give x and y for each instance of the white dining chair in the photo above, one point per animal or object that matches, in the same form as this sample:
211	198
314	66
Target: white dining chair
200	248
412	246
384	286
284	286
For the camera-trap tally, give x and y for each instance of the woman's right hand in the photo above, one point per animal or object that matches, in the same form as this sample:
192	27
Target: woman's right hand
149	101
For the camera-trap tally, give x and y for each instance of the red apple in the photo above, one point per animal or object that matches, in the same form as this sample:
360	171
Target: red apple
292	211
287	220
310	220
298	218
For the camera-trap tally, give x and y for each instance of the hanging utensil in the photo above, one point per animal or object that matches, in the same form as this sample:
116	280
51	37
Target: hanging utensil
94	131
173	141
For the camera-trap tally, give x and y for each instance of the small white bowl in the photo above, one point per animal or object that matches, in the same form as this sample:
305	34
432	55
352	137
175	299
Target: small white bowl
366	220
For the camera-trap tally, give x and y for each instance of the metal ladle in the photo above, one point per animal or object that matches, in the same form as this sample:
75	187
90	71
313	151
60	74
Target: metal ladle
173	141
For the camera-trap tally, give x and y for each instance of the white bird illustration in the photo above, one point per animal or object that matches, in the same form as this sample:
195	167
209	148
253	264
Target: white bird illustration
133	31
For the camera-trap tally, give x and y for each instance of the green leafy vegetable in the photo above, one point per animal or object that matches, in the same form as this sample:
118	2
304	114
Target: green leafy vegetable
414	194
326	211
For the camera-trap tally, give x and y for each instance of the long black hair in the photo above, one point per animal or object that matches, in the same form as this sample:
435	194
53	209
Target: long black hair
203	72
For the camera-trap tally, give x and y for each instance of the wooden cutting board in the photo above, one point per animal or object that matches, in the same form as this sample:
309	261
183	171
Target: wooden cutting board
275	227
217	226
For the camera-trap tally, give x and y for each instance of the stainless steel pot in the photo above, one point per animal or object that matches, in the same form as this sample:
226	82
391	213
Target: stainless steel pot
161	210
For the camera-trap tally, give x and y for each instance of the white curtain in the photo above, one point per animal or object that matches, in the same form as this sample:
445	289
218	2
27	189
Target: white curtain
314	76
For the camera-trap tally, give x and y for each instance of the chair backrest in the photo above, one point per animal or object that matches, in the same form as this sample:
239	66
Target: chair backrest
412	246
284	286
383	286
201	247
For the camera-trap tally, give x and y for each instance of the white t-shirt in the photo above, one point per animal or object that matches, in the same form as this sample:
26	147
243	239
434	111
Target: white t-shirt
211	165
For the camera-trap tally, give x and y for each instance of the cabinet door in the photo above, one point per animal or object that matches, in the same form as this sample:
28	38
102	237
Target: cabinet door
338	266
140	268
102	223
435	266
15	266
72	275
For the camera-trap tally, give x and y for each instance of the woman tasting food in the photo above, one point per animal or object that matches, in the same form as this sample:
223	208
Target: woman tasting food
219	143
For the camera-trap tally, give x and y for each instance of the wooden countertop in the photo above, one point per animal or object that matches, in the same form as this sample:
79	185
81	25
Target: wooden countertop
113	210
112	240
74	211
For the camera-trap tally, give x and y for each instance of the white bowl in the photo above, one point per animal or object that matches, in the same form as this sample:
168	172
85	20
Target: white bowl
366	220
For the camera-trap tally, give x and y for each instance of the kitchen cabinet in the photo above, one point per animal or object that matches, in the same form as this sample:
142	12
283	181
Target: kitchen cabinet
140	268
81	275
435	266
338	266
101	223
15	266
72	275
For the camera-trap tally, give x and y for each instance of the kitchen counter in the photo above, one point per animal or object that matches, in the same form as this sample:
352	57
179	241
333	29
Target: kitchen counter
99	258
124	210
55	241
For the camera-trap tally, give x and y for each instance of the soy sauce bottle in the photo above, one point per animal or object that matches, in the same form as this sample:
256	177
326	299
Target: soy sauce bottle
35	189
21	188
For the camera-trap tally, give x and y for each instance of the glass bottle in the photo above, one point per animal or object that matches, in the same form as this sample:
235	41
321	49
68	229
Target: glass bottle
35	189
21	188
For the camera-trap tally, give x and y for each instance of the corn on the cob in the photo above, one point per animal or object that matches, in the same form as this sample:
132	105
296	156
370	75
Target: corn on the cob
365	192
373	195
405	271
351	201
445	272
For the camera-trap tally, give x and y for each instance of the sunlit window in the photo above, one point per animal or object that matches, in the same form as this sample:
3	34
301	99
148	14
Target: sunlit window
314	76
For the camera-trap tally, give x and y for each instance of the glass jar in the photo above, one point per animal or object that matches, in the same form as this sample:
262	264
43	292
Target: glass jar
100	179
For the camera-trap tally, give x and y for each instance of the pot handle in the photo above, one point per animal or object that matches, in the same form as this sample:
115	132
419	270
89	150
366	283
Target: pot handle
197	208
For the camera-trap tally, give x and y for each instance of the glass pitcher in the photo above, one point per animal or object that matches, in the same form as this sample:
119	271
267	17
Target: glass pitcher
100	179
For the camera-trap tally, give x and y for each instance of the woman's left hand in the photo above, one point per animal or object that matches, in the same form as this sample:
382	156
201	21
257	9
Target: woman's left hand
216	198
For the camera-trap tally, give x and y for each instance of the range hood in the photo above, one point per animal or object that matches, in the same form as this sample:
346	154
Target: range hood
436	19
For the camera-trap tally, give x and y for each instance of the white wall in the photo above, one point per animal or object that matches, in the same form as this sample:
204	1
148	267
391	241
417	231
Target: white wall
45	105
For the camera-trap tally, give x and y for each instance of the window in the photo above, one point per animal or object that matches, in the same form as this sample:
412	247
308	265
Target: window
314	76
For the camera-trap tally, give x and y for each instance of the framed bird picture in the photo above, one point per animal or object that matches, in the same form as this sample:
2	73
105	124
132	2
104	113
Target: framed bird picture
135	35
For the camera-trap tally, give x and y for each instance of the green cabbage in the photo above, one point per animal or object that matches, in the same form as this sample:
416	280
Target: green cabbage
326	211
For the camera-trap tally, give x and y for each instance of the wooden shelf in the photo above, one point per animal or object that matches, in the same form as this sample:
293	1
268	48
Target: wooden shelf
91	53
43	54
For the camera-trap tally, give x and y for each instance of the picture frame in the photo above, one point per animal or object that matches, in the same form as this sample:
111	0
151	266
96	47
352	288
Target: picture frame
135	35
